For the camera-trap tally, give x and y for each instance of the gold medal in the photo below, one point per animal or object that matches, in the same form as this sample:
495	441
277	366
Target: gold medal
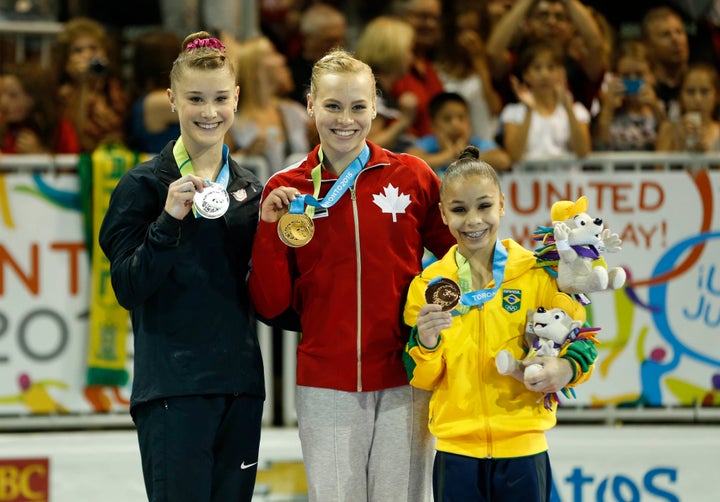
295	230
443	292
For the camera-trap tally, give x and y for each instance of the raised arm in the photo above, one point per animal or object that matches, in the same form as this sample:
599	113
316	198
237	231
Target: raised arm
498	44
585	25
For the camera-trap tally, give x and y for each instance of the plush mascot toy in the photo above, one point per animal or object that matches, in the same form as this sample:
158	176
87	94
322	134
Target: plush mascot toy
573	247
549	332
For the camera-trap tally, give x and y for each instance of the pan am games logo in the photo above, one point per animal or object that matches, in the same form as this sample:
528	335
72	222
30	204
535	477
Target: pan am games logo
511	299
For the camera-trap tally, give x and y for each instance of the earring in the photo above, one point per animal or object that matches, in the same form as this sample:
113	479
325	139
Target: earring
172	108
235	110
374	115
311	114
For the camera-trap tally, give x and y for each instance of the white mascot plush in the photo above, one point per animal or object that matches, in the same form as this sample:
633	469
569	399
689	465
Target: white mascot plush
547	331
581	240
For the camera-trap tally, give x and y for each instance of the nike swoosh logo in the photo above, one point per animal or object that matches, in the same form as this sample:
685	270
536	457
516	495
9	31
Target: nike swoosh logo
247	466
514	482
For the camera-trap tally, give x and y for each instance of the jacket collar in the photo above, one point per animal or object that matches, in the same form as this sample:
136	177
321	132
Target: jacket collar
168	170
378	156
519	261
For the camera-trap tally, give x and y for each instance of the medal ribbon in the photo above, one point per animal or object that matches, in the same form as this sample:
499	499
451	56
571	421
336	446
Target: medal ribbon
182	159
472	298
341	185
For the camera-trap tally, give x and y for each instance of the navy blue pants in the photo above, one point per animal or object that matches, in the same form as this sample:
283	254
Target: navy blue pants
199	448
457	478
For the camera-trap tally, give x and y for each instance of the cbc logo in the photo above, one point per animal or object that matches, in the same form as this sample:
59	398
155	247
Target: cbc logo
24	480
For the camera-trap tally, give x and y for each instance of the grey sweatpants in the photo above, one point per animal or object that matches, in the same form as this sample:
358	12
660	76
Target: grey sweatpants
366	446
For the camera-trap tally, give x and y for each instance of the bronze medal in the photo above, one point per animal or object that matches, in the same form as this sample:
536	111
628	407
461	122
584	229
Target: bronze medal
295	230
443	292
212	202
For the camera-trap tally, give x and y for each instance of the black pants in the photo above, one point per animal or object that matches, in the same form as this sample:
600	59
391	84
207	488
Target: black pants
457	478
199	448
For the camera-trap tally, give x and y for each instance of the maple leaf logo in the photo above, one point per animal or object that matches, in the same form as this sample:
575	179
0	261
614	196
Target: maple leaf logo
391	202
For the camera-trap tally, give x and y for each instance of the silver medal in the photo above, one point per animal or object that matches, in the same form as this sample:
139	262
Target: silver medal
212	202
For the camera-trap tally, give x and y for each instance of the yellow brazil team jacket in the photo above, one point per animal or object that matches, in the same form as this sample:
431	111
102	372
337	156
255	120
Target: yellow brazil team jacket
475	411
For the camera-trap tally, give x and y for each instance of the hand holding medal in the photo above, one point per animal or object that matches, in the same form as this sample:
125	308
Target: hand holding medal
180	196
212	202
294	229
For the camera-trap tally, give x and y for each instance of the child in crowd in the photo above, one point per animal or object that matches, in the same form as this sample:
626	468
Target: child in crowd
451	127
463	68
546	121
698	129
91	95
629	109
31	122
490	428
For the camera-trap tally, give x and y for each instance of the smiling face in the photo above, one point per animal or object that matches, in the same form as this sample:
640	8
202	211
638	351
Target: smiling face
471	207
343	105
205	101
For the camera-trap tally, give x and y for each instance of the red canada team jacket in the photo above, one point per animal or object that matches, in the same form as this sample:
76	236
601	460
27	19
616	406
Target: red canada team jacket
350	281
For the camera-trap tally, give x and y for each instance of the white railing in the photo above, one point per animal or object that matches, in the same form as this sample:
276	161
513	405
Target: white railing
21	31
614	161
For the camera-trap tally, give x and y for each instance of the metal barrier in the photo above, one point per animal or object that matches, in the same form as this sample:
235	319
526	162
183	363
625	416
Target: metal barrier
21	31
616	161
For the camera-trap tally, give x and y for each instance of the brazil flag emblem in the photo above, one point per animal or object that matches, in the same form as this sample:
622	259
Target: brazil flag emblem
511	299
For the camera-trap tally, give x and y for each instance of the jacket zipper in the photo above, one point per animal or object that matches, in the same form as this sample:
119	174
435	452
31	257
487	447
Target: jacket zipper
358	275
483	351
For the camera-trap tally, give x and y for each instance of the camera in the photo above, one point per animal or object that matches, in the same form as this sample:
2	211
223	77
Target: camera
632	85
98	65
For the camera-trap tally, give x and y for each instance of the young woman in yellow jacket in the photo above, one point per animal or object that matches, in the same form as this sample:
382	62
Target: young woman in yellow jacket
490	428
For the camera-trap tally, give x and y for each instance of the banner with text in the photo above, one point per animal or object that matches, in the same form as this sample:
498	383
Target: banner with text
44	299
660	335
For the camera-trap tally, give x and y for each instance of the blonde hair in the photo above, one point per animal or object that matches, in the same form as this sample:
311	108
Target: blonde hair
338	61
385	43
248	56
200	57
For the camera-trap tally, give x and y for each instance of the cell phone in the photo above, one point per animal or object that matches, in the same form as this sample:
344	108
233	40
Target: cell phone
632	85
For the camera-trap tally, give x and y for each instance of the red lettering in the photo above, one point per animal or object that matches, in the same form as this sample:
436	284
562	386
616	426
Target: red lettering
647	189
31	279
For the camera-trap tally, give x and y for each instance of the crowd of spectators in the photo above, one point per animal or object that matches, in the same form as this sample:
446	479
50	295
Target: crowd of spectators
517	78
